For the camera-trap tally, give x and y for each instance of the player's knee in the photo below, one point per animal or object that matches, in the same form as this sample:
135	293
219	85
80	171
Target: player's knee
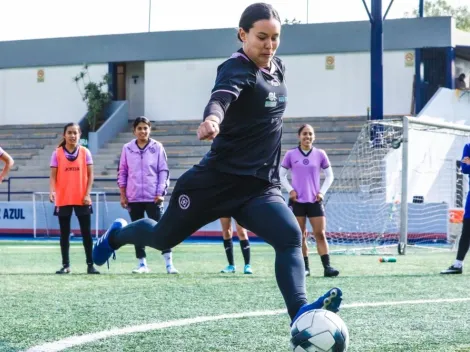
242	235
291	237
320	236
227	234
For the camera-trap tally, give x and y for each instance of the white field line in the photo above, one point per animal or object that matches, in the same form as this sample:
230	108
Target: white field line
73	341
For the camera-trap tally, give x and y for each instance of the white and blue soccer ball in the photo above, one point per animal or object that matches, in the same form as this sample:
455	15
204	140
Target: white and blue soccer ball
319	330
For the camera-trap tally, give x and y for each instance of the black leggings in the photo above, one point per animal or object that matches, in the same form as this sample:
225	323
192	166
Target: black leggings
137	211
202	196
464	242
85	228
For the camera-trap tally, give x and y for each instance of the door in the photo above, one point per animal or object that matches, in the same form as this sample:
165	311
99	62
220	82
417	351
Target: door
135	89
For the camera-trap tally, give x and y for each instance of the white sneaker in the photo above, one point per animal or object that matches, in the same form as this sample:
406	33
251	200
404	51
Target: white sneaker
141	269
170	269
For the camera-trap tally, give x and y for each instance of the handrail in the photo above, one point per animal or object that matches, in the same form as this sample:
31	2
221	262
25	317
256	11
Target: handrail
9	192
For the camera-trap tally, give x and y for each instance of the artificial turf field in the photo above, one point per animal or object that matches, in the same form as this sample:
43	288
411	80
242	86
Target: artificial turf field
38	307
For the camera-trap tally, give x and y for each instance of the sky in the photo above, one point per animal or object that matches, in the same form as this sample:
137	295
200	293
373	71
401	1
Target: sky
33	19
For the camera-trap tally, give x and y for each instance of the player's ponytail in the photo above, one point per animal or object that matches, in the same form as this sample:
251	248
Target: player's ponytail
61	143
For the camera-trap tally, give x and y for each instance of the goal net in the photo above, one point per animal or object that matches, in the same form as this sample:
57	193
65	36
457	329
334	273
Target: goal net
45	224
401	187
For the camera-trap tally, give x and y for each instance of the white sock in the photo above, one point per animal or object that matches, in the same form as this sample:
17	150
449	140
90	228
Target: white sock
458	264
168	258
143	262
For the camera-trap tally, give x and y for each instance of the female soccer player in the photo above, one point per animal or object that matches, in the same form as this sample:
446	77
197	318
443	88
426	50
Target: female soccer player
8	161
239	176
464	242
306	195
70	186
227	235
143	178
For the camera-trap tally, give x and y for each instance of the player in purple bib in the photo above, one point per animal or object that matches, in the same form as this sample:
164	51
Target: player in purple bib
306	193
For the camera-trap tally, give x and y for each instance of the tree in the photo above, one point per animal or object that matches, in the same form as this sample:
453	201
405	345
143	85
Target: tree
292	21
94	95
436	8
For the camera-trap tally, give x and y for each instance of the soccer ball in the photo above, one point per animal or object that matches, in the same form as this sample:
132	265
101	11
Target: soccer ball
319	330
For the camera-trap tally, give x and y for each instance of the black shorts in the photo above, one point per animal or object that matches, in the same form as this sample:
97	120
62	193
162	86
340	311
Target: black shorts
310	210
137	210
67	210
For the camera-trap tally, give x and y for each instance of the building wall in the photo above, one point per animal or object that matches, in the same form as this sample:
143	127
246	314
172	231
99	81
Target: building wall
24	100
179	90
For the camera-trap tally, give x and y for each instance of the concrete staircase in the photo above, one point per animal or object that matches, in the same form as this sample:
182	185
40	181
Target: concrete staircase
335	135
32	146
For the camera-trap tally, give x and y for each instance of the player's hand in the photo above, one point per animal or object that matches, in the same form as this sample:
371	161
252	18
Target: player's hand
124	202
466	160
87	200
159	199
1	179
293	196
52	197
319	197
208	130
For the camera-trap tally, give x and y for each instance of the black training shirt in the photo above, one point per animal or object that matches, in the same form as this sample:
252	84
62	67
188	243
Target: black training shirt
249	142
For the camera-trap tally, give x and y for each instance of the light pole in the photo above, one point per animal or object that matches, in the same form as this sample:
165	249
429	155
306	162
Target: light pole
150	13
307	10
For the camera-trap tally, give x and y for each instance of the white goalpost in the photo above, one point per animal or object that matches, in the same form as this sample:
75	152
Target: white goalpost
401	187
47	211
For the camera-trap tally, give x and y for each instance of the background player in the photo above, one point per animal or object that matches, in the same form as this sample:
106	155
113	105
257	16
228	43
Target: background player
70	186
306	195
143	179
227	235
464	242
239	176
8	164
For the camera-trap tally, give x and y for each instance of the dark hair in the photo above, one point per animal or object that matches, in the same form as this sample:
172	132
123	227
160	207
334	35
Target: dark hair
70	124
139	120
299	131
254	13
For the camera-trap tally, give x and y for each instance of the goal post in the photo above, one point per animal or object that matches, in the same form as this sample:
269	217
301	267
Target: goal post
398	187
44	209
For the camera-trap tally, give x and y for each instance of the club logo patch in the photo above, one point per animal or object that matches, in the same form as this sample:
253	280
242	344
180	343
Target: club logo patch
184	201
306	162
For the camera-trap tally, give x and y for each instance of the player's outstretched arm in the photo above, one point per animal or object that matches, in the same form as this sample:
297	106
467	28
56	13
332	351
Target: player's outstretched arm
8	160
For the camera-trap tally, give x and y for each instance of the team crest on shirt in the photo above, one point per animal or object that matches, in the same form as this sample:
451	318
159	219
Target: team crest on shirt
271	100
184	201
152	150
274	82
306	162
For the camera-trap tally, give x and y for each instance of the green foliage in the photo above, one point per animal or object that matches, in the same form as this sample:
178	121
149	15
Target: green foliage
292	21
437	8
94	94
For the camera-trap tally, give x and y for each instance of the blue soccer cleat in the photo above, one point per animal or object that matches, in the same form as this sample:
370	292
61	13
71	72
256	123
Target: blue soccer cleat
329	301
247	269
102	251
229	269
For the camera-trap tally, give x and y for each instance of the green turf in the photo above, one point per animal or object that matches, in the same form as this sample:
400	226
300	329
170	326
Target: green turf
37	306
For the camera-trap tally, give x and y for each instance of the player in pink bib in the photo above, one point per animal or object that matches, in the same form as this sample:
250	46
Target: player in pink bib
306	193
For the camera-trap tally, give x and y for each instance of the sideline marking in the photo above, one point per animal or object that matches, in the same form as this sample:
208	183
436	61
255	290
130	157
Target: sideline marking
73	341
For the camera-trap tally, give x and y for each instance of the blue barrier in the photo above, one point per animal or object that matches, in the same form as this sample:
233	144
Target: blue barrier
9	192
